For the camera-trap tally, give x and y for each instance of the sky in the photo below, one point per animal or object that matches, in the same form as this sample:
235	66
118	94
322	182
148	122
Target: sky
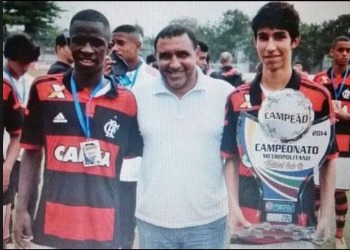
153	16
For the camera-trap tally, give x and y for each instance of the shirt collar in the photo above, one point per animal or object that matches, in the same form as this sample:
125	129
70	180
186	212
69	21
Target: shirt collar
329	73
255	90
112	93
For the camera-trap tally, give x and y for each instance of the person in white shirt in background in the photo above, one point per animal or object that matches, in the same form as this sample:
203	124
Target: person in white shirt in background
126	43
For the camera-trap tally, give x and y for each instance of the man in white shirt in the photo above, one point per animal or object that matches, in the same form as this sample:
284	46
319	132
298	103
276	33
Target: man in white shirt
181	194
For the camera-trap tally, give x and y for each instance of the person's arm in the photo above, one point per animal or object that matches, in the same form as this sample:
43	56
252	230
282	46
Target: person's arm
30	165
12	153
235	215
327	189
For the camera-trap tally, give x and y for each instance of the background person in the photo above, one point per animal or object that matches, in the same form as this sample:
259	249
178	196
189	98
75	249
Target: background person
127	45
20	51
202	57
64	55
227	71
337	80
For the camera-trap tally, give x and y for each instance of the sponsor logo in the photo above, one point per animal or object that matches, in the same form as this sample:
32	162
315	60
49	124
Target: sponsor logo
59	118
76	155
275	217
280	207
246	103
57	92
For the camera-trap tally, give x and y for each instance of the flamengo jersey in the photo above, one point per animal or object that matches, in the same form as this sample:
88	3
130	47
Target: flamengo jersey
12	114
342	128
248	98
79	205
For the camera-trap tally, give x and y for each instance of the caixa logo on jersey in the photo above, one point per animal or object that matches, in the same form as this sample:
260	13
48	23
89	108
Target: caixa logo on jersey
275	206
76	155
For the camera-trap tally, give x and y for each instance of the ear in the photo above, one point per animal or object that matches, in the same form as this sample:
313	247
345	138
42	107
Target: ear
296	42
197	50
254	41
331	52
138	45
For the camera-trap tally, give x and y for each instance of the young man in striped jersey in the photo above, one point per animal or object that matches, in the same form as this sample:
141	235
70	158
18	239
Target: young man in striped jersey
276	34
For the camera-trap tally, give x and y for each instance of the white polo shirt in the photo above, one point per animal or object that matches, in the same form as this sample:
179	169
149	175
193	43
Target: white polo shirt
181	180
145	74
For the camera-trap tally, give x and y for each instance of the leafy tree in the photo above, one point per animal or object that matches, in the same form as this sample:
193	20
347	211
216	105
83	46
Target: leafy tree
36	16
316	41
233	33
308	52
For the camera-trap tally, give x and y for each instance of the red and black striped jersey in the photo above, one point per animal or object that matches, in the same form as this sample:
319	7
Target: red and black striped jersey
12	112
340	91
79	206
248	98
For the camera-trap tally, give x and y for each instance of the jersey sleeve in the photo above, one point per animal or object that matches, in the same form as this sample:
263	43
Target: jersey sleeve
333	153
135	141
12	111
32	135
228	142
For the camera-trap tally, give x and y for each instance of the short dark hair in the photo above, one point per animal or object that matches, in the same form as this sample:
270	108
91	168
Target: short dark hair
203	46
150	58
90	15
62	40
20	47
174	30
279	15
129	29
125	28
340	39
208	58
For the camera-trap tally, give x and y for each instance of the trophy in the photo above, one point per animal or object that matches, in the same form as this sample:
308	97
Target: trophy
281	147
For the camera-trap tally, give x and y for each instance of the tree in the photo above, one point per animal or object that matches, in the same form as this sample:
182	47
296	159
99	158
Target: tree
37	16
233	33
316	41
308	52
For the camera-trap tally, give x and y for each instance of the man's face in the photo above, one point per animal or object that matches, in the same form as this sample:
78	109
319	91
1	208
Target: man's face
341	53
202	60
89	45
18	69
176	58
274	47
126	45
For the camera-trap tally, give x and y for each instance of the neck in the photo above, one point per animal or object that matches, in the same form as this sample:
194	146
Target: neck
87	81
133	65
63	60
339	69
275	80
11	72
